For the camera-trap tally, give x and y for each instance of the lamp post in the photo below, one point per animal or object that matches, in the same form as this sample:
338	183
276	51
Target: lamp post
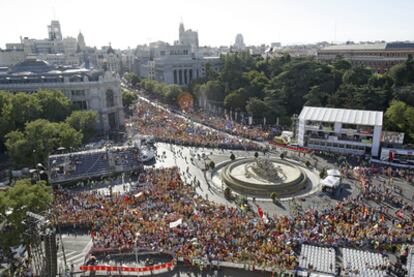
136	247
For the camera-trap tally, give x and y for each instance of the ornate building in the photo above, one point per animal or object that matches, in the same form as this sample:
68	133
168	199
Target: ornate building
379	56
87	89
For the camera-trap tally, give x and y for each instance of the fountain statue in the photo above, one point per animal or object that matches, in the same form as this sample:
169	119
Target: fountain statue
265	169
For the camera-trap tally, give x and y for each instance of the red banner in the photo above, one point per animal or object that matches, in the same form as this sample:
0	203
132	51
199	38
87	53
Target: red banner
124	268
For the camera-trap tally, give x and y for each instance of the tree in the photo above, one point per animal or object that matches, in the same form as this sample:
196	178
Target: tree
400	117
341	64
38	140
236	100
403	73
316	97
405	94
258	108
21	109
128	98
15	202
132	78
213	91
296	81
234	65
55	106
380	81
257	82
273	196
172	94
85	122
357	76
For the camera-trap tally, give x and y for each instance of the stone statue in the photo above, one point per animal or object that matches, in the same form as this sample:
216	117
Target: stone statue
265	169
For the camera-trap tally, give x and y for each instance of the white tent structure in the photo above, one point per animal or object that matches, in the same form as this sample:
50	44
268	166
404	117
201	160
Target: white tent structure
333	172
330	182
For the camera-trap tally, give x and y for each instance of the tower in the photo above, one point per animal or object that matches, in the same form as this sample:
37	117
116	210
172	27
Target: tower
181	31
81	41
54	30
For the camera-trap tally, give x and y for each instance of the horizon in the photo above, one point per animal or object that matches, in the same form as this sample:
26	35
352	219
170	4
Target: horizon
303	22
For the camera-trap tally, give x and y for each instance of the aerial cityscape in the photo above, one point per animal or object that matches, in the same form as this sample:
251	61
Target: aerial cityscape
206	138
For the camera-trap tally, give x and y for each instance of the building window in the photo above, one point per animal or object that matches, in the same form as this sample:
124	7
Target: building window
191	74
112	121
80	105
78	93
110	98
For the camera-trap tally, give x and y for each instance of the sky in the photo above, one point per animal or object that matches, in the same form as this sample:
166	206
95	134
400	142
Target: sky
128	23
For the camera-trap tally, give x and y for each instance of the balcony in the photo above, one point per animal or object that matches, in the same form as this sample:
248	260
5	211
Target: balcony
342	139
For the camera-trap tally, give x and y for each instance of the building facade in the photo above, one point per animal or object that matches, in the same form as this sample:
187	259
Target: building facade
87	89
378	56
176	64
340	130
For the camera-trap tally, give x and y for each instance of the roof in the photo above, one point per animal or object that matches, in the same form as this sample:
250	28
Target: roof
356	47
360	117
370	46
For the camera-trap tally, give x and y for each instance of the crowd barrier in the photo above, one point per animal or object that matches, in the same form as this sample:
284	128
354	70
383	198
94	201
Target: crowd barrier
151	269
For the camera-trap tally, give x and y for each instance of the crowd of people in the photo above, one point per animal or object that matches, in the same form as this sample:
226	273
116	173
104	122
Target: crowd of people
228	125
168	127
170	216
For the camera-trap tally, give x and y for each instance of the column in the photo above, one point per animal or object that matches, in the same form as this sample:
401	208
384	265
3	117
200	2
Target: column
175	76
185	76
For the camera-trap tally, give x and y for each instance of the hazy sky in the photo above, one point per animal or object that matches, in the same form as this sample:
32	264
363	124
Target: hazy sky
130	22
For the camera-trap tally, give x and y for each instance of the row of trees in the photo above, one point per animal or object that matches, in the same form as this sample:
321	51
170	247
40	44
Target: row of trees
280	87
34	125
166	93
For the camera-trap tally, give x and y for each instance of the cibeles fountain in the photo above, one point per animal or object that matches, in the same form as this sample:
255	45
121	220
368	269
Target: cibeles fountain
259	177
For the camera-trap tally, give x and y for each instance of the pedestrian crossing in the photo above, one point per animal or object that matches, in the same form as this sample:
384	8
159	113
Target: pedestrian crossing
74	255
74	258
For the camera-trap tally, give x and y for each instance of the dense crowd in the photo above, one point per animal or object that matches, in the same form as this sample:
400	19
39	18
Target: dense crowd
168	127
230	126
213	232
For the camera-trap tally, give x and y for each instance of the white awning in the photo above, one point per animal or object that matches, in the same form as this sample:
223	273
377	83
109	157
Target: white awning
333	172
331	182
348	116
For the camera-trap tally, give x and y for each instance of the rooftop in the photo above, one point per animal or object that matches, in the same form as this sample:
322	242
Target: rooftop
348	116
373	46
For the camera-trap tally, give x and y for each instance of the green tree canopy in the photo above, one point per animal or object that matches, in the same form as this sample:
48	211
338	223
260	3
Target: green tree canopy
38	140
357	76
403	73
132	78
55	106
15	202
236	100
400	117
258	108
128	98
84	122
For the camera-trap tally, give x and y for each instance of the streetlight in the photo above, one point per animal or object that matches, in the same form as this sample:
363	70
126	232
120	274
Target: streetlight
136	247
